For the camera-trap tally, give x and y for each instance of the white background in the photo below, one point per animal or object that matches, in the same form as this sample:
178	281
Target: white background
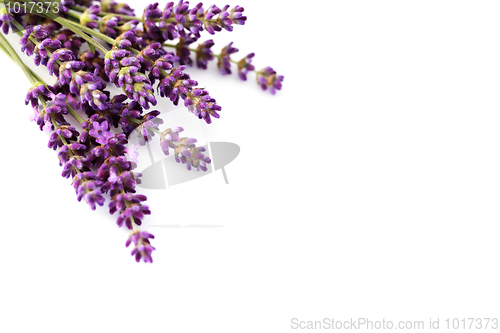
367	187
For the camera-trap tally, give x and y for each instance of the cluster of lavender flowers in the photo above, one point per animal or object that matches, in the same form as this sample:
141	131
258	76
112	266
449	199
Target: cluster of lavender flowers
137	59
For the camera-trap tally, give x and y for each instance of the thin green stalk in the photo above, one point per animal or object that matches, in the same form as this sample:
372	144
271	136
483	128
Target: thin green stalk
6	45
77	29
125	17
75	15
195	50
89	31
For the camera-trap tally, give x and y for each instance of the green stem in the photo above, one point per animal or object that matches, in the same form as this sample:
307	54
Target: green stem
74	114
125	17
194	50
91	32
8	48
77	29
75	15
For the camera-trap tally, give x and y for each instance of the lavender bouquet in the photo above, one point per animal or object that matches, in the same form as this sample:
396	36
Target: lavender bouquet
87	45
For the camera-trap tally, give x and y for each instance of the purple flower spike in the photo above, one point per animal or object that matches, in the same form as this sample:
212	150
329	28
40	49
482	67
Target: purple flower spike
152	12
150	123
66	4
87	186
236	15
185	150
112	6
204	54
5	19
128	39
27	46
168	137
100	132
183	51
143	248
130	209
224	62
164	63
176	85
202	105
89	16
268	79
109	25
39	32
34	93
245	65
133	153
226	18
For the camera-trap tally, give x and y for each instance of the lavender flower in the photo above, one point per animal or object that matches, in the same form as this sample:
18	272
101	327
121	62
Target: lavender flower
128	39
66	5
168	137
202	105
226	19
185	150
109	25
93	62
268	79
123	70
146	130
37	91
133	153
100	132
66	71
130	115
87	186
245	65
164	63
42	52
149	54
112	6
39	34
204	54
130	209
69	133
89	16
176	85
75	164
181	21
183	51
125	181
69	40
89	87
224	60
5	19
60	55
143	248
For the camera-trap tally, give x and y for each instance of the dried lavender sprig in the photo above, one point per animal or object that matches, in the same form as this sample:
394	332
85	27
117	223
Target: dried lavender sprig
185	150
142	249
124	71
267	77
5	19
89	16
